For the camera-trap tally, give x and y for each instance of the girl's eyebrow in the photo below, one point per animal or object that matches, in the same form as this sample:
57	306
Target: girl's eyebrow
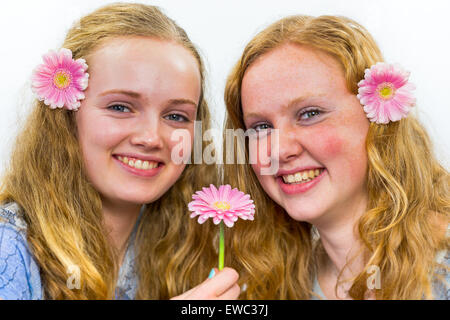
137	95
291	103
303	98
181	101
132	94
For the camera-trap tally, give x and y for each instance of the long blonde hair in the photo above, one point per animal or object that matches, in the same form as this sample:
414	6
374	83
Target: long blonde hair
408	188
63	211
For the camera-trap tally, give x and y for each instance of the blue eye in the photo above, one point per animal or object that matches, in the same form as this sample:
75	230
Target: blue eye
308	114
176	117
261	130
119	108
262	127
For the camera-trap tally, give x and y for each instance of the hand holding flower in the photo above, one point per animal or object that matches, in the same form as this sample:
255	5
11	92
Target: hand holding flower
223	286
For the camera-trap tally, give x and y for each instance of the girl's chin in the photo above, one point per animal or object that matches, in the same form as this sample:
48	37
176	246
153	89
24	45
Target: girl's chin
143	199
303	213
140	191
136	199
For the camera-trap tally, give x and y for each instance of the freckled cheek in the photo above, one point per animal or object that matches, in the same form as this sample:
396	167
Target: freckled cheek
331	146
260	153
344	156
257	169
268	183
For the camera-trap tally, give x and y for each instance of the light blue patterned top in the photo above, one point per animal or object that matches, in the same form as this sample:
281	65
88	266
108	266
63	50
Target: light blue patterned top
19	273
441	289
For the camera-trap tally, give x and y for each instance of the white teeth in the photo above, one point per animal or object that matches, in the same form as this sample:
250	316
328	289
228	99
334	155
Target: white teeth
138	164
300	177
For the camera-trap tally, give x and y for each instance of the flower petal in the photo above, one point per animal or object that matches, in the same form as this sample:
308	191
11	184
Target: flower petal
224	192
229	223
202	219
43	75
382	109
203	204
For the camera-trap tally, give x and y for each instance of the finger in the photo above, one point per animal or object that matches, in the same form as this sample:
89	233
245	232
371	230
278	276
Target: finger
184	295
212	288
222	281
231	294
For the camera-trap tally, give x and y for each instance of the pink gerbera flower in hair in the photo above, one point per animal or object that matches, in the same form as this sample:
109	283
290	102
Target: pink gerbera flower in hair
223	204
386	93
60	80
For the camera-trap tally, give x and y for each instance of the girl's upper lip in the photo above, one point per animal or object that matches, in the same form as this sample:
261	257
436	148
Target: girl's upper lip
139	156
282	172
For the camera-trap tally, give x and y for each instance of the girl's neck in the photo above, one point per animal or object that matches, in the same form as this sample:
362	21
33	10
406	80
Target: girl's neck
343	258
120	220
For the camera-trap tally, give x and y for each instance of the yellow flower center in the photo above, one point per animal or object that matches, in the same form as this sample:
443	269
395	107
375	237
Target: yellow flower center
386	90
61	79
222	205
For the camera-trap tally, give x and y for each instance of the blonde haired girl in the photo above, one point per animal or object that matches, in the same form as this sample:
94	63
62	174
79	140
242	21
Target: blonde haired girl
93	207
357	209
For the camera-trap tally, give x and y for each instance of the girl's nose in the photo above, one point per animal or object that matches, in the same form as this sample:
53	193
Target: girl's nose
290	146
148	134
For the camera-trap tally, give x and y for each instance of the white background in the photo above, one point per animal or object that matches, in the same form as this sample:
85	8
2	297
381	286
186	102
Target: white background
414	33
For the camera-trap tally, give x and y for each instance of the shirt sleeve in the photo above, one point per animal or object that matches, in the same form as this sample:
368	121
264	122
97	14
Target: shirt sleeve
19	273
441	289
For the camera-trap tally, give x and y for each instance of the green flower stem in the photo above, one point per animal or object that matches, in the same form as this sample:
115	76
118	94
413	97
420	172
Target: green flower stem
221	246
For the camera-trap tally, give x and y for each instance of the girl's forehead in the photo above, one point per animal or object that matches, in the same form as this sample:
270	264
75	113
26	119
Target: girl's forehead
293	63
130	60
292	72
291	55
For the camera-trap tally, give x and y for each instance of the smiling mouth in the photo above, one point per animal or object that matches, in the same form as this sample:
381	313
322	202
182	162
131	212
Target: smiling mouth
301	176
138	163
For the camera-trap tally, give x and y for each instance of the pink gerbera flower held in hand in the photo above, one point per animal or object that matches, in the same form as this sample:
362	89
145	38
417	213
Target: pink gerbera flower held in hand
60	80
223	204
386	93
